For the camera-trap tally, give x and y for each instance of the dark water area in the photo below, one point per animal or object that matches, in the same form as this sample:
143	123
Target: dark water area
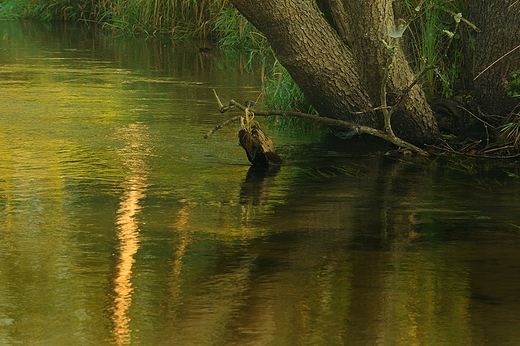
120	224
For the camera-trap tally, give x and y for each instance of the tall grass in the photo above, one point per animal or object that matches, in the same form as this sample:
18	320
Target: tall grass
432	39
283	93
178	18
235	32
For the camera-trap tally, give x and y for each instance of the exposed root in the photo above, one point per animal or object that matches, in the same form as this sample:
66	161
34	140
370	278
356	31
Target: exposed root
470	132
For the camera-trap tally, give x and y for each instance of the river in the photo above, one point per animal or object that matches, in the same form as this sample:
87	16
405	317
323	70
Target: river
120	224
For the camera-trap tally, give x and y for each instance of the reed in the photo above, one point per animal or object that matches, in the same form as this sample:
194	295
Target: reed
432	40
178	18
233	31
283	93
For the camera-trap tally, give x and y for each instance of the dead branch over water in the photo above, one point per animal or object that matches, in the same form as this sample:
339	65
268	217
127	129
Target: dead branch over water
340	124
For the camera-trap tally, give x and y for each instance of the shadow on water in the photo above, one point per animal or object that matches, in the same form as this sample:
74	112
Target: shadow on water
119	224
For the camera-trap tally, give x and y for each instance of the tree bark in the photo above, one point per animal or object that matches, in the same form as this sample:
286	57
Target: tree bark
369	23
341	75
499	22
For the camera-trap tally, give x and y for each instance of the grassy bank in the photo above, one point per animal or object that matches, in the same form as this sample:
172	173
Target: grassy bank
178	18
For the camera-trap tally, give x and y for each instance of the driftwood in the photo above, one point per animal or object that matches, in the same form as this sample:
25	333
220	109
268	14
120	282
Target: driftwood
336	123
258	147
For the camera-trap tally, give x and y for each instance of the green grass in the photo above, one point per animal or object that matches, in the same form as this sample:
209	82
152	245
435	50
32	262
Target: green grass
178	18
512	85
433	40
283	93
233	31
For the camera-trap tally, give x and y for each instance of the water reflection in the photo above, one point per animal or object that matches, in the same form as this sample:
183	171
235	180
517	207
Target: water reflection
256	189
120	224
134	152
183	228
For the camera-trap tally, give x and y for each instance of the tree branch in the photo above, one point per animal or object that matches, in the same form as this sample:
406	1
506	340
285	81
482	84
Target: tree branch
221	125
341	124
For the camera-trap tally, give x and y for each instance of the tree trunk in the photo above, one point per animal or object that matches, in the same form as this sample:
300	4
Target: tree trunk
499	22
341	76
368	23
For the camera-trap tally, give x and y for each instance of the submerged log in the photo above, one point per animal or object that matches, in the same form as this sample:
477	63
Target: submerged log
258	147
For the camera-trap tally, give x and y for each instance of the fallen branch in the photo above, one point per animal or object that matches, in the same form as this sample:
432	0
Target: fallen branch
340	124
494	62
221	125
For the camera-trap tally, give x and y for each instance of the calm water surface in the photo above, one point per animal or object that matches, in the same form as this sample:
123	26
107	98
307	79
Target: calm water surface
120	224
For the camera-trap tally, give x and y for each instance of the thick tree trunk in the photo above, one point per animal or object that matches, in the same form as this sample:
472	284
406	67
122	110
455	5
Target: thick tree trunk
314	55
341	76
369	23
499	22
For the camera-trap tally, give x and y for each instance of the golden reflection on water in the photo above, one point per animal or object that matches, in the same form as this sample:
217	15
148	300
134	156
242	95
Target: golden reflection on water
183	227
128	229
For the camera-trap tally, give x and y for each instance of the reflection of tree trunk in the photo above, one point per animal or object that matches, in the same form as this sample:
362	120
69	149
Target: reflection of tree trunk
184	231
387	285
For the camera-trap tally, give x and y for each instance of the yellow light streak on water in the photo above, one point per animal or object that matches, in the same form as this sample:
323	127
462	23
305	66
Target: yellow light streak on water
128	230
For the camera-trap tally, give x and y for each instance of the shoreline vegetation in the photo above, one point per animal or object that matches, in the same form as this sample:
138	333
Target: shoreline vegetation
180	19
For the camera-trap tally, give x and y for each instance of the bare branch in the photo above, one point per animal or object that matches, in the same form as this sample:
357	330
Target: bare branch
340	124
494	62
470	24
221	125
218	100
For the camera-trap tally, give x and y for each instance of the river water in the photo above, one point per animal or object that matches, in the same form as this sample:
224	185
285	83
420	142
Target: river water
120	224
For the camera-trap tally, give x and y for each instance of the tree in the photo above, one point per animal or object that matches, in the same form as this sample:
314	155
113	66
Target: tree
340	71
341	60
493	53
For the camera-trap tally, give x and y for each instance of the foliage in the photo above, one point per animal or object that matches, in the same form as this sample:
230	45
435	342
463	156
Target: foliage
282	93
178	18
432	39
512	86
233	31
509	132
